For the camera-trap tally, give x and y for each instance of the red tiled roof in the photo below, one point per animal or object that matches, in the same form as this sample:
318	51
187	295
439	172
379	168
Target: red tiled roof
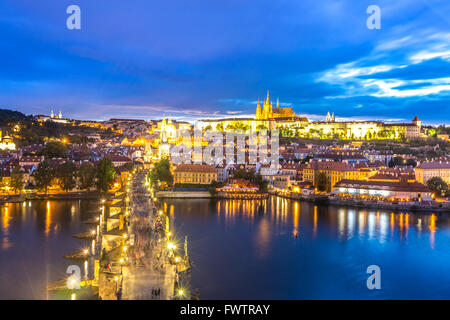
185	167
330	165
117	157
434	165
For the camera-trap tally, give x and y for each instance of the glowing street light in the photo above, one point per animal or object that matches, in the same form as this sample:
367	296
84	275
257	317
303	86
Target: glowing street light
171	245
116	279
73	296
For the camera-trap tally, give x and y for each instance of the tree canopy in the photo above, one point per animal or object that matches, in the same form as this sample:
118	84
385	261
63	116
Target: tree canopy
255	178
66	174
54	149
161	172
105	174
7	116
437	185
43	176
17	180
87	175
322	181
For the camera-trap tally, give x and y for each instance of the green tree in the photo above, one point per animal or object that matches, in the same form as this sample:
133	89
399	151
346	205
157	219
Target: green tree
161	172
129	166
43	176
105	174
411	162
261	127
436	184
262	184
54	149
322	181
243	174
397	161
87	175
255	179
17	180
212	188
66	174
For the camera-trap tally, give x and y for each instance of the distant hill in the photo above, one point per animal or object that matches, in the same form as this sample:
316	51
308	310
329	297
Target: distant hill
7	116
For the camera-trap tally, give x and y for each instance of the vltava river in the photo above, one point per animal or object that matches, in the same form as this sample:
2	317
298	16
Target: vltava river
286	249
34	237
269	249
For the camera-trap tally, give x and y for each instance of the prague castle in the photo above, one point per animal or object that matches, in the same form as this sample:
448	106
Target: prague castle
268	113
291	124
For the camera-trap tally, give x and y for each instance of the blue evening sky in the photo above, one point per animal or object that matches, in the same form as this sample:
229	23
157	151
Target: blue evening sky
209	58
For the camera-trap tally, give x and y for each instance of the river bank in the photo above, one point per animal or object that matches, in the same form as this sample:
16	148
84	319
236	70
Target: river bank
76	195
317	199
398	207
208	195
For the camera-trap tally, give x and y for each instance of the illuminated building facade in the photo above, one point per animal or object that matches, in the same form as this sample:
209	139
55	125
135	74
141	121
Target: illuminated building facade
268	117
334	172
164	145
427	170
53	117
404	191
195	174
6	142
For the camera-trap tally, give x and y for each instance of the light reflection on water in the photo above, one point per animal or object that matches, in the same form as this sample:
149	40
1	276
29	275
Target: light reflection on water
274	248
34	237
285	249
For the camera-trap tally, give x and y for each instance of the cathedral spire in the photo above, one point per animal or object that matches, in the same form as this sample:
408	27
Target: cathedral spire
258	110
278	103
270	114
267	100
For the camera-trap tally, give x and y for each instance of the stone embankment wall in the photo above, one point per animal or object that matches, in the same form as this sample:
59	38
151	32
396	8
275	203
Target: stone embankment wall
183	194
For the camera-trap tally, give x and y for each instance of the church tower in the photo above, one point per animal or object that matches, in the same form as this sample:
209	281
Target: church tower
164	146
258	111
416	121
270	111
267	112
